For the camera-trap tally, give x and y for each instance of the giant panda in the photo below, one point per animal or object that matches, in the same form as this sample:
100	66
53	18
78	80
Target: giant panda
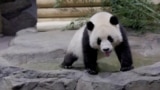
102	33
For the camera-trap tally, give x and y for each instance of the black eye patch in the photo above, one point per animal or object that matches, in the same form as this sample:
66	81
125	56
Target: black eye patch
98	41
110	39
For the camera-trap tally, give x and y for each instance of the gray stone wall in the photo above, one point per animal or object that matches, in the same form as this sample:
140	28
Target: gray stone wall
18	15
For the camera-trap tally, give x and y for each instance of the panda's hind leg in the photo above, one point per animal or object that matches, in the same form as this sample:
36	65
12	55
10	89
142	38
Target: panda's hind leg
69	59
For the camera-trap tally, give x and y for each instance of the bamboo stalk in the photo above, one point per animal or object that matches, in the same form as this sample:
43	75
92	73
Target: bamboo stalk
70	3
68	12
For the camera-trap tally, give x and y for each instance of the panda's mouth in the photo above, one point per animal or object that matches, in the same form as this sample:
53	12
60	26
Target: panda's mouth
107	54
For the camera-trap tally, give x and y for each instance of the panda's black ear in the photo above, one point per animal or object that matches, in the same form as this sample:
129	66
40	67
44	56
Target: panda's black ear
90	25
114	20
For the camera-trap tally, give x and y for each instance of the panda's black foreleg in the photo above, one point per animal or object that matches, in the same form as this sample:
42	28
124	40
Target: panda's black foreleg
124	53
90	61
89	55
69	59
124	56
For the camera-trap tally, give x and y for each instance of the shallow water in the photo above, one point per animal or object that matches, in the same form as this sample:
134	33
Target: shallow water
106	64
111	63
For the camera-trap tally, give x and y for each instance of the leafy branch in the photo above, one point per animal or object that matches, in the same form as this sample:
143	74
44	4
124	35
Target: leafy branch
138	15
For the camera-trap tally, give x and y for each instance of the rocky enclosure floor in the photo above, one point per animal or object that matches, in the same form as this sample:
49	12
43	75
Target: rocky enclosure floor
32	59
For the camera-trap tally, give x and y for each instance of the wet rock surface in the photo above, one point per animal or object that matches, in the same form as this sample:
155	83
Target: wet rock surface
31	62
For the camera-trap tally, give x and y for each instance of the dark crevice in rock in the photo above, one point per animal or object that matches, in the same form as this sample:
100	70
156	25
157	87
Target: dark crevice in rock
94	85
34	86
124	88
7	71
18	87
76	84
77	81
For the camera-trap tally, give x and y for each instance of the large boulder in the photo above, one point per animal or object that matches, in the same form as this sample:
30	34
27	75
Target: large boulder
0	23
18	15
6	1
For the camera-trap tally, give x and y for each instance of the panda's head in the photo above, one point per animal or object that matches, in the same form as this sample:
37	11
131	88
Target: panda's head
104	32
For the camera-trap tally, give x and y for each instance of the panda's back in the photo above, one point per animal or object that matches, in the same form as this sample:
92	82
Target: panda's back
75	46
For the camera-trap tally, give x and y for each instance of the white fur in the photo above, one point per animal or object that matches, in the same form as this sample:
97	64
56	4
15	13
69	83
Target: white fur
106	44
75	45
102	28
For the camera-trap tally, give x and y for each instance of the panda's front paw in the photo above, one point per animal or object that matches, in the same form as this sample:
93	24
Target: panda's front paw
66	67
126	68
92	72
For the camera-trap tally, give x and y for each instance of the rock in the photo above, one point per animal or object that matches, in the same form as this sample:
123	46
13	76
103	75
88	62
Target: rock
4	42
149	47
6	1
119	81
152	70
30	30
4	62
21	15
14	7
8	25
0	23
21	79
34	57
43	47
99	85
143	85
8	70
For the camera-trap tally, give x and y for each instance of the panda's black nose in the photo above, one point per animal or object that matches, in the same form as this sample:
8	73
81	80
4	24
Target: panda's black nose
106	49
